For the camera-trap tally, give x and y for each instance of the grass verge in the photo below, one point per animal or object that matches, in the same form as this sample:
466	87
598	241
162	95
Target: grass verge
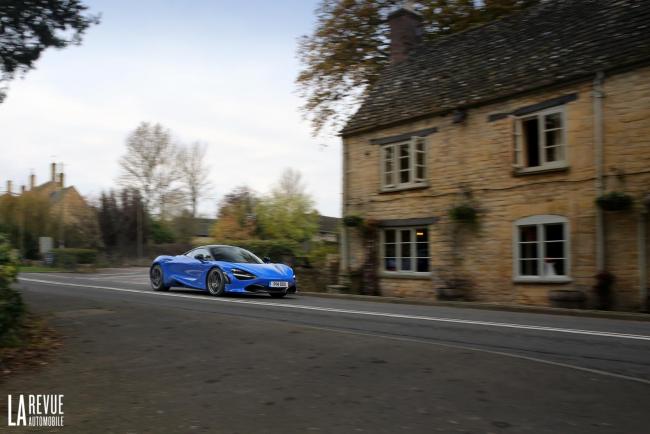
40	269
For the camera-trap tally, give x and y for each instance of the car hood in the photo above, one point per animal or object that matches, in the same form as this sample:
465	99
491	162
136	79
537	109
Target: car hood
267	271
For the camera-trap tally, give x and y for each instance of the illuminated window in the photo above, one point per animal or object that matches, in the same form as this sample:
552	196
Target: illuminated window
405	250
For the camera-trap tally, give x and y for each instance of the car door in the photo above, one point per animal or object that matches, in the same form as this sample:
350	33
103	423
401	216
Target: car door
178	265
193	268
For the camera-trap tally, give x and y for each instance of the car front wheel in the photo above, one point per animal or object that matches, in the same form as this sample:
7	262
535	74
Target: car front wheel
157	279
216	282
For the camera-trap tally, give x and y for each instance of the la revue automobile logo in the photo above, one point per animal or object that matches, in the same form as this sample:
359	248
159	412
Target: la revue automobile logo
35	410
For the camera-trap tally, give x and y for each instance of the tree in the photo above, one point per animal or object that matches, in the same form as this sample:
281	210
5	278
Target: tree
195	175
344	55
236	219
121	216
150	167
24	219
288	212
28	27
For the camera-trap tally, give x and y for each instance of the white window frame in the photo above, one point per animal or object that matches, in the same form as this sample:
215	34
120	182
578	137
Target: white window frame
539	221
398	257
520	148
395	174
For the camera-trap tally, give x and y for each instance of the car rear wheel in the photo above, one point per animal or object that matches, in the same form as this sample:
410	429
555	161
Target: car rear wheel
157	280
216	282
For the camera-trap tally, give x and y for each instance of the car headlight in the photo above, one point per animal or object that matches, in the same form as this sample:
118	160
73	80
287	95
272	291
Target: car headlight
242	274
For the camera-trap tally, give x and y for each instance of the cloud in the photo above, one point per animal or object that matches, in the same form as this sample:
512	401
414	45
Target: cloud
80	113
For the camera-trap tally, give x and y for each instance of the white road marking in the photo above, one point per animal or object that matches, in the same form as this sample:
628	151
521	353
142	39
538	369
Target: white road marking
359	312
482	350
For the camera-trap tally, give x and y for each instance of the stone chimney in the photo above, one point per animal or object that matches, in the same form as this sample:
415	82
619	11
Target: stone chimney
9	186
405	32
32	181
53	172
61	180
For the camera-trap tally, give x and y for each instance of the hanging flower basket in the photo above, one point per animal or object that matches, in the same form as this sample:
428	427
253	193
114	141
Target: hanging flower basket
352	220
614	201
463	214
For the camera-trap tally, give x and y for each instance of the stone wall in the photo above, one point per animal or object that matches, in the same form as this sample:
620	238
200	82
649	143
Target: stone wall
477	156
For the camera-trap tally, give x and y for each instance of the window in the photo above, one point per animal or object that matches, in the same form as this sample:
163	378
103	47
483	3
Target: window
541	249
405	250
540	140
199	251
403	164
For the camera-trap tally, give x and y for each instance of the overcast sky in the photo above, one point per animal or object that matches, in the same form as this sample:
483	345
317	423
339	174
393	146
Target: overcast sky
217	71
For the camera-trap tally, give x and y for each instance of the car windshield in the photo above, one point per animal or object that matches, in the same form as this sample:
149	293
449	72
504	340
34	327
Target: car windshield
234	254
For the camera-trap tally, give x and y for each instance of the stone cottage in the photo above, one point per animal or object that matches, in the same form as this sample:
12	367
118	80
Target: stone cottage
478	158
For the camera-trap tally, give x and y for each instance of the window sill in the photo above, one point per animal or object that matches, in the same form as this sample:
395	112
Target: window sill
404	275
522	171
544	280
407	187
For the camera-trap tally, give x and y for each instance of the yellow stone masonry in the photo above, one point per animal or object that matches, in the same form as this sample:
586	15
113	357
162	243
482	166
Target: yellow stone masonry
477	155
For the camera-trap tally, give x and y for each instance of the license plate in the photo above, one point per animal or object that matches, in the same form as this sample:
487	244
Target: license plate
279	284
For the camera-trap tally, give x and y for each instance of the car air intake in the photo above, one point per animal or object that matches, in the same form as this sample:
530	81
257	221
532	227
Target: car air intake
242	274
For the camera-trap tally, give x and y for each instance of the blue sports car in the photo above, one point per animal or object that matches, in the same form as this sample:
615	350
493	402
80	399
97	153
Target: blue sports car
220	270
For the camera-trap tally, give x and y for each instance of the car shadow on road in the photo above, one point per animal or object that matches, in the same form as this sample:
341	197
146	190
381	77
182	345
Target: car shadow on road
230	295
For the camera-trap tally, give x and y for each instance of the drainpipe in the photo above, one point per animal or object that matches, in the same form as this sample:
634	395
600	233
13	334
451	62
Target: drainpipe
344	266
598	96
643	257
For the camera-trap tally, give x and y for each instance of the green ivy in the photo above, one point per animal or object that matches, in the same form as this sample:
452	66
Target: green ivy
463	213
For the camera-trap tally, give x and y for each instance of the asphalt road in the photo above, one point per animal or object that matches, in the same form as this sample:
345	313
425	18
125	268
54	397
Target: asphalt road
137	361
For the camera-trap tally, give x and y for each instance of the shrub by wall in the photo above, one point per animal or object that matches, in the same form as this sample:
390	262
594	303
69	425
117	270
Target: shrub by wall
70	258
11	304
277	250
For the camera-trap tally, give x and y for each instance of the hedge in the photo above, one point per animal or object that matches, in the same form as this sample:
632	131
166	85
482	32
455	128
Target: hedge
69	258
277	250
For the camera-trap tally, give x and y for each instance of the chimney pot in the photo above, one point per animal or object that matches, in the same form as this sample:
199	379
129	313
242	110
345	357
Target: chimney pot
61	180
405	32
32	181
53	172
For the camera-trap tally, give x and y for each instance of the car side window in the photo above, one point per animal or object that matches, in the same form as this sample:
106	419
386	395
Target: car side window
204	252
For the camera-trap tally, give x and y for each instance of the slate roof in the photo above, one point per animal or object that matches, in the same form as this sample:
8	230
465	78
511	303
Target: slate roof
328	224
553	42
204	226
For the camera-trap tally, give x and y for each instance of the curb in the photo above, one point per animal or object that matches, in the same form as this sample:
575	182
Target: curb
629	316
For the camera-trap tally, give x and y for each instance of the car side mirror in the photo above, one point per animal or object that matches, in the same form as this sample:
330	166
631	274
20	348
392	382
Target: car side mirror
200	257
266	260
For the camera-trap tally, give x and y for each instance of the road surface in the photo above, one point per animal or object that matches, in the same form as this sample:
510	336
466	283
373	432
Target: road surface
138	361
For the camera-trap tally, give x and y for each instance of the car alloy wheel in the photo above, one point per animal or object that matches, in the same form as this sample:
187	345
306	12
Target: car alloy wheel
156	277
216	282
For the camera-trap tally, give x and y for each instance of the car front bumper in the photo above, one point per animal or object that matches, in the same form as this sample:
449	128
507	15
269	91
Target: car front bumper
259	286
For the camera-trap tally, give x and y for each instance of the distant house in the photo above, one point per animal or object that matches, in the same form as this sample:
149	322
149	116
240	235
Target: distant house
203	227
328	229
72	219
525	122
